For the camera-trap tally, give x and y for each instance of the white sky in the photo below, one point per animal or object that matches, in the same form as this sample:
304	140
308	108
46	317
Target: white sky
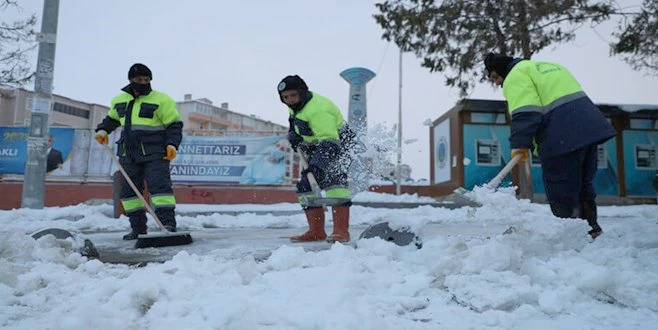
237	52
546	275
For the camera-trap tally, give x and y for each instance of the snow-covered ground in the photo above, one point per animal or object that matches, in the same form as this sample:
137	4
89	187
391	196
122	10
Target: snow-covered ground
547	274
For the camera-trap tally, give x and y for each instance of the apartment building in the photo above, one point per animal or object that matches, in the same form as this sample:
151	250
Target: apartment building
16	110
200	116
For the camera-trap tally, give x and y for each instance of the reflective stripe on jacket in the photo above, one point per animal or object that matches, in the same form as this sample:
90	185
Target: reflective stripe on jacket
150	123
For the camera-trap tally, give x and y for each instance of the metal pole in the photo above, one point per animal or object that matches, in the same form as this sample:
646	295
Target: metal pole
399	163
37	141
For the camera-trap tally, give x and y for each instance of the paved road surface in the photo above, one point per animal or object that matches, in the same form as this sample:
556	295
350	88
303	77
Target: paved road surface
258	242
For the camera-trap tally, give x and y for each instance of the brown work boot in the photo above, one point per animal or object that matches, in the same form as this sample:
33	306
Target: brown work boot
315	232
341	215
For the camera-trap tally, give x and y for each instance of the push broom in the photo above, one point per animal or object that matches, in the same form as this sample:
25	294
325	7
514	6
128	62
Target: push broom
164	237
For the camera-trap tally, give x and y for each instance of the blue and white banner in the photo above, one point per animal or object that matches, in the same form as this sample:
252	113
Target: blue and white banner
234	159
13	149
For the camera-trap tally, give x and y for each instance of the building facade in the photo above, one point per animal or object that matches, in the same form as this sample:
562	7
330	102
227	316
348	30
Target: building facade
200	116
16	110
469	145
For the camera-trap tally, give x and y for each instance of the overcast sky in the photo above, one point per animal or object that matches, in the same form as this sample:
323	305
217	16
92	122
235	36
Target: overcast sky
237	52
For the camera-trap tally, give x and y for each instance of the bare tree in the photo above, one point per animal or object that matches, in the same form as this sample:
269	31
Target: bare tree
17	41
637	42
452	36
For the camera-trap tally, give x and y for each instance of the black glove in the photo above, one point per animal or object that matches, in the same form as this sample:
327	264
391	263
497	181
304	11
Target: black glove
294	139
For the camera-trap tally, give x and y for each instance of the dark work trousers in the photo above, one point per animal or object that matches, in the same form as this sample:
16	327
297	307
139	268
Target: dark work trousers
158	180
568	180
333	177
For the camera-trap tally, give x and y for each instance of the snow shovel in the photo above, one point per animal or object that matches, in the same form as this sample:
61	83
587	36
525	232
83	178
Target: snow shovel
83	246
460	193
402	236
164	237
318	200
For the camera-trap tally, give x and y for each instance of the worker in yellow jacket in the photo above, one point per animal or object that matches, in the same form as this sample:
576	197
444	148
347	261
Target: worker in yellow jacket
152	132
549	109
319	132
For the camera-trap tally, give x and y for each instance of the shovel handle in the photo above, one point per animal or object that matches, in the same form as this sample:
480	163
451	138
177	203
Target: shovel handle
311	178
134	188
493	184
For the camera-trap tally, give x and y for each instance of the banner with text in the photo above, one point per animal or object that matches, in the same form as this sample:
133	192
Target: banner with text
230	159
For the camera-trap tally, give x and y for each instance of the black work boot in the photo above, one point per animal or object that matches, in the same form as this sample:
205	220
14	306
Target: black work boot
166	216
588	212
596	232
133	234
563	211
137	225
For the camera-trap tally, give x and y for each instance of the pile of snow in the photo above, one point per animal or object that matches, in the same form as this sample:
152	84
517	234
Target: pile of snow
544	273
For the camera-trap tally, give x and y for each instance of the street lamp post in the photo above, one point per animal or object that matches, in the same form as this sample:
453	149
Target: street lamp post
398	176
37	141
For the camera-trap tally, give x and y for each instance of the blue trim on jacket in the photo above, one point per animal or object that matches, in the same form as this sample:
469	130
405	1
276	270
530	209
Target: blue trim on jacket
565	129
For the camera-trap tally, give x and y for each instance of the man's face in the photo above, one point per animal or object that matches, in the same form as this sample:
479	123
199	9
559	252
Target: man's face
290	97
141	80
496	78
50	141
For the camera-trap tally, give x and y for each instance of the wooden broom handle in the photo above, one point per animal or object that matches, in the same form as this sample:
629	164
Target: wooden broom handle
132	185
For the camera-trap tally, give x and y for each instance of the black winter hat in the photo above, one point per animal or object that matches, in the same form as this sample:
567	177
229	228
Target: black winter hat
292	83
498	63
139	69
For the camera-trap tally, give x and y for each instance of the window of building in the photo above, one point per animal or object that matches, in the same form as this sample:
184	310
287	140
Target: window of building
487	152
488	118
645	157
602	156
203	109
71	110
644	124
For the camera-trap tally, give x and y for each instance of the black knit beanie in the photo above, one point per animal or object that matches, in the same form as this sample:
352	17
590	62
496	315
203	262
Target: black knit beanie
139	69
497	62
292	83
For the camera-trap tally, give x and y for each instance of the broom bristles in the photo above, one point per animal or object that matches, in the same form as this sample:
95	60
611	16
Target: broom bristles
163	239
